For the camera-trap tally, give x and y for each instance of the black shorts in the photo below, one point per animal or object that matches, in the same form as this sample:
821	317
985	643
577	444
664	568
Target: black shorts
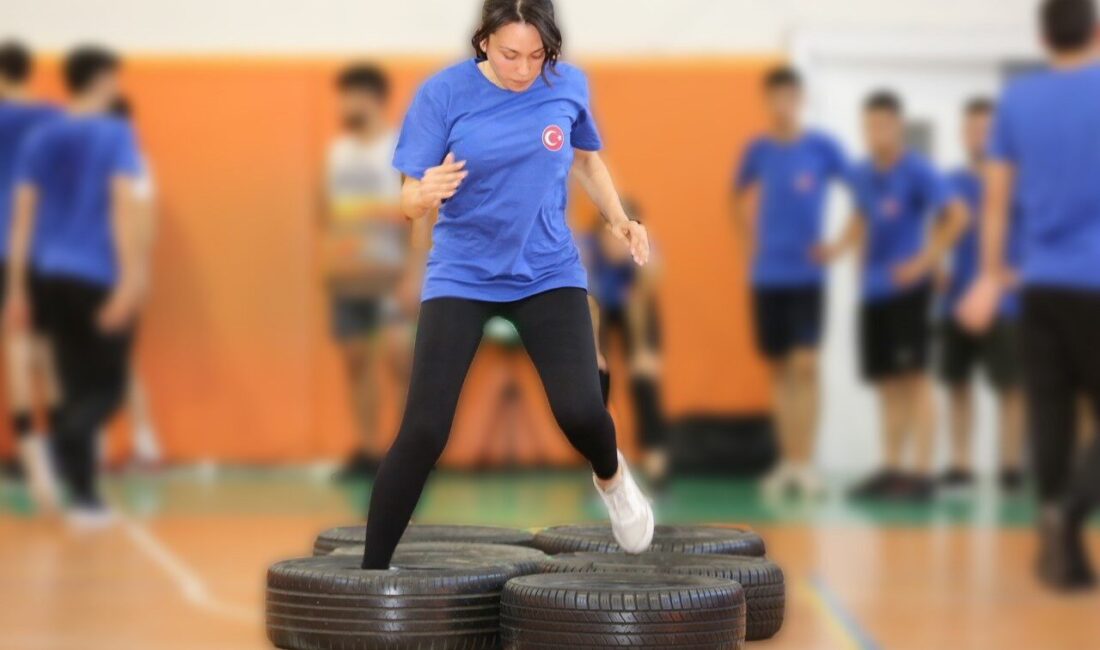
788	319
34	296
354	318
997	351
894	335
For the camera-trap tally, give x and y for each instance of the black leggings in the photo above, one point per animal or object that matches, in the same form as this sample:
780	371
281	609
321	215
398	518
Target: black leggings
1061	354
92	368
556	329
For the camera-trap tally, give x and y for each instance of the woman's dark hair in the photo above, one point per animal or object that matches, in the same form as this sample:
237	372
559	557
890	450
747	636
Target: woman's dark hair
536	13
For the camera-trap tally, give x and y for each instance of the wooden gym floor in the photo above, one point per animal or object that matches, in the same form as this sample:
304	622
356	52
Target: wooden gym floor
184	570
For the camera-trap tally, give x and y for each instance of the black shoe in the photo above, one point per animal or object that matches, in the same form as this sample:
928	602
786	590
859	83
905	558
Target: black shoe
1011	479
877	486
358	467
1063	562
957	478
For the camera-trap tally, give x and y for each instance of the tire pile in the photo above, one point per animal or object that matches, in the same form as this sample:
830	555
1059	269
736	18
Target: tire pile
567	587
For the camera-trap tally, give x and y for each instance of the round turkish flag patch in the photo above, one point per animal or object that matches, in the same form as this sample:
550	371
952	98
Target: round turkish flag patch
553	138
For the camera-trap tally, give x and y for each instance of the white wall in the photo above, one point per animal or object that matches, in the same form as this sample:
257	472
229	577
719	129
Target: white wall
592	27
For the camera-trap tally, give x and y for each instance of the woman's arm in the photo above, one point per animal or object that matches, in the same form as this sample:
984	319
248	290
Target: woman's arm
592	173
420	197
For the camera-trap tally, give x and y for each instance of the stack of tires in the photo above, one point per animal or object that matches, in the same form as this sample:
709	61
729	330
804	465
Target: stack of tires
469	587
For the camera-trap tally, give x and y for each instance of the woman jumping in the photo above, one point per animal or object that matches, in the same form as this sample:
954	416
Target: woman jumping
490	144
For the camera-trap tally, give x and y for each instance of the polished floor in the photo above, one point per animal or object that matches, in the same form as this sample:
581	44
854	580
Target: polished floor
184	569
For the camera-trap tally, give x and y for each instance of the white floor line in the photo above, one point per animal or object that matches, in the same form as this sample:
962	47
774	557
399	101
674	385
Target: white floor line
191	585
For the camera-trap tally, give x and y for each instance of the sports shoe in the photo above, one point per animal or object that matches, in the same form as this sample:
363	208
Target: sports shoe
90	517
780	482
39	473
630	512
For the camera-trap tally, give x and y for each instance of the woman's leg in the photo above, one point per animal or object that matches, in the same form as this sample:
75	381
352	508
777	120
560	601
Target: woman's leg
447	337
556	329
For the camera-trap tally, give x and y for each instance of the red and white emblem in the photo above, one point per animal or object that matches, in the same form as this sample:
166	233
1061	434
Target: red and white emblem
553	138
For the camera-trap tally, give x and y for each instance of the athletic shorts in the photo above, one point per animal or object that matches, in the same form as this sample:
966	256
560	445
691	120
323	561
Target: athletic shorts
997	351
894	335
788	319
34	296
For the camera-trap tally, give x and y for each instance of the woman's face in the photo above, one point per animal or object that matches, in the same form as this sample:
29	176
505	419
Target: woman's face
516	55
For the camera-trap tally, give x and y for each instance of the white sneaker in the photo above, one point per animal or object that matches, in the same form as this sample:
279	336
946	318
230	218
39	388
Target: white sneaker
810	483
630	512
779	482
40	474
146	447
90	518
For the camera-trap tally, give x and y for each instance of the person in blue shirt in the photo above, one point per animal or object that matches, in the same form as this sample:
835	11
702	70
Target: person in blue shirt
490	143
996	350
26	353
787	172
623	301
1044	157
907	220
75	216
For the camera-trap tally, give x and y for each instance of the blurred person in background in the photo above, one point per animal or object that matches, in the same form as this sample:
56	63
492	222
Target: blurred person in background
624	297
366	252
788	170
490	143
75	194
29	368
146	445
1045	155
995	350
906	221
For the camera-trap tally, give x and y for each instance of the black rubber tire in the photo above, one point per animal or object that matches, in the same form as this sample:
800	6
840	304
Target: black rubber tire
667	539
526	559
329	603
333	538
615	610
762	579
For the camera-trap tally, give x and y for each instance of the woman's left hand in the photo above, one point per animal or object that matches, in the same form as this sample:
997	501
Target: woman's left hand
634	236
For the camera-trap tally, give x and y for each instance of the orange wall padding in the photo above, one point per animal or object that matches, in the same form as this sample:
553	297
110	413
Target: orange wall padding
234	345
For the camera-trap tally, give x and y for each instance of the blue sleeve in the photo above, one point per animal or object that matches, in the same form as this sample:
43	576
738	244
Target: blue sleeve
749	172
838	160
1002	146
424	134
585	135
27	166
126	159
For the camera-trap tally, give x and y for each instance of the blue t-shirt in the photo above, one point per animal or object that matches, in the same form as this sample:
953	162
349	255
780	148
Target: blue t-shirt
966	257
609	281
794	177
1048	128
897	205
503	236
17	120
71	162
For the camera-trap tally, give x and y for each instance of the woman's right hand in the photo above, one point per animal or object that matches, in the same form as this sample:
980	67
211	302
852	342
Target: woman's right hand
441	182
